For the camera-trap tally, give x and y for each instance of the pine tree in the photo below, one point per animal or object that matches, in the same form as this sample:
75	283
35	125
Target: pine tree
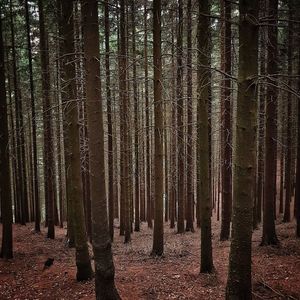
104	266
239	273
5	192
204	196
269	235
158	233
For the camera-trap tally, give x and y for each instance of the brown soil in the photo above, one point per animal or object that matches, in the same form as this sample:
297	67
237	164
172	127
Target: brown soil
276	270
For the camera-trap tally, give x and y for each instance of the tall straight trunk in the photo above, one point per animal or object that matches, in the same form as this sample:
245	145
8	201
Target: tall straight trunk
226	164
21	164
189	151
269	235
12	147
147	108
104	267
166	162
261	118
111	195
70	231
5	188
72	146
33	125
288	167
158	233
180	129
173	136
136	124
48	134
203	77
239	274
125	124
297	195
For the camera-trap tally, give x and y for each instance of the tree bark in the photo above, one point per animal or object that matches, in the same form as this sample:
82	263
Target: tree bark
158	233
111	195
189	151
72	146
33	125
5	187
269	235
239	274
104	266
226	114
203	77
180	129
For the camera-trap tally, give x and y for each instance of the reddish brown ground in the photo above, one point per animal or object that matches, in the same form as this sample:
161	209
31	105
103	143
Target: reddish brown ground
276	271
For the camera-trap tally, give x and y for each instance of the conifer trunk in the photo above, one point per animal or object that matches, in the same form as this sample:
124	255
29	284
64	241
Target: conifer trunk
239	274
104	266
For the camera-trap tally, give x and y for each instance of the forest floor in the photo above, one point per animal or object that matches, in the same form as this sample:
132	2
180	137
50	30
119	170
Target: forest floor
276	270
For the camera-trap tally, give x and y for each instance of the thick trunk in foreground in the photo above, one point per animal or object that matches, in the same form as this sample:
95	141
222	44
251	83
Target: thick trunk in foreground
158	233
72	146
104	266
204	195
297	195
239	274
5	192
269	235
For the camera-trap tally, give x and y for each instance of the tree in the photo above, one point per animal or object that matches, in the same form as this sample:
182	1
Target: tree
203	76
189	151
158	233
147	108
136	123
269	235
104	266
226	114
33	125
239	273
297	196
72	146
288	160
48	133
180	129
124	127
5	192
111	195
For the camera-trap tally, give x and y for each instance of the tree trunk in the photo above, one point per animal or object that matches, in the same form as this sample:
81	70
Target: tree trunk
111	194
289	121
158	233
269	235
33	125
180	129
136	125
239	274
226	164
204	195
297	194
125	124
189	154
72	146
48	135
147	108
5	192
104	267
